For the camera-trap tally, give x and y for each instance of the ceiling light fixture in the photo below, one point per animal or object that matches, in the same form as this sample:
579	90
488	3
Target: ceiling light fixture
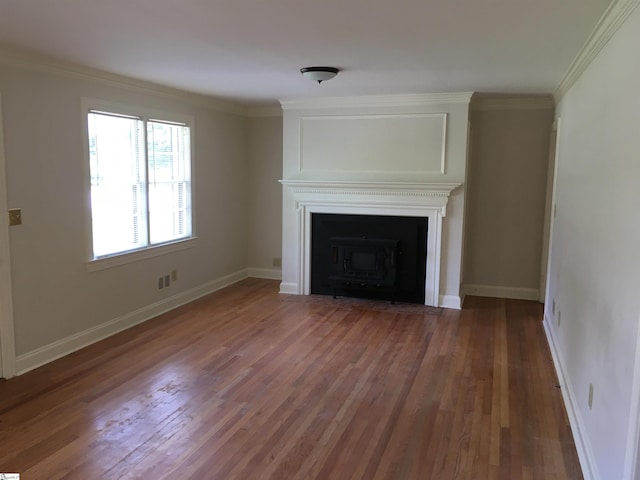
319	74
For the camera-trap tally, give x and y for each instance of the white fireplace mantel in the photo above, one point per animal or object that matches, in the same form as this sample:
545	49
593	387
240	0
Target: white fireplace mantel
435	195
412	199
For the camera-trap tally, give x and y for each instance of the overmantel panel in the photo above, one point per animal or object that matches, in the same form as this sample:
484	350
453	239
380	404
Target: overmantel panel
410	143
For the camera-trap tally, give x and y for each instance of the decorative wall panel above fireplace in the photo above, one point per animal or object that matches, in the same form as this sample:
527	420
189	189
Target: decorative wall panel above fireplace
347	142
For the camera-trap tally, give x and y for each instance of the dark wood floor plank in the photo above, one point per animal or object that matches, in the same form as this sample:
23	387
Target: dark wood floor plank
249	384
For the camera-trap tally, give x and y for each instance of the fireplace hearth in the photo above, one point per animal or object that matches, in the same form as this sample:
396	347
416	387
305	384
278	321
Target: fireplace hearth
369	256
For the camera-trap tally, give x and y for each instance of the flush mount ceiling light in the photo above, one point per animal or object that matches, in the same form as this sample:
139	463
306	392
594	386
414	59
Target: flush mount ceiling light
319	74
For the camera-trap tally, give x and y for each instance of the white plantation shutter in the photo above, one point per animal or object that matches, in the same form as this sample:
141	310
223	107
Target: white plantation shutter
140	182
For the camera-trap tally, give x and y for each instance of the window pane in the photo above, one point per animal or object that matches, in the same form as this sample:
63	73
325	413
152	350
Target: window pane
169	181
117	164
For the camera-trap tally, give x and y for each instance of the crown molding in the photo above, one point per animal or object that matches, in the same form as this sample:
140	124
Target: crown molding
609	23
490	102
401	100
24	59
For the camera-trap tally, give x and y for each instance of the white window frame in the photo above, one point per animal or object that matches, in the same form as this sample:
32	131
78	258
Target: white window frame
149	251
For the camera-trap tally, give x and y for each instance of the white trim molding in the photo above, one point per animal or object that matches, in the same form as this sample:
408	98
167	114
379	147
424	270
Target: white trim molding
494	291
450	301
397	190
142	254
427	162
377	101
428	200
580	438
609	23
631	467
288	288
65	346
7	342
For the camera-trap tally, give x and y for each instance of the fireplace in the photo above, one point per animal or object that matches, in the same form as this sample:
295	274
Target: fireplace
371	256
363	261
393	155
303	199
363	267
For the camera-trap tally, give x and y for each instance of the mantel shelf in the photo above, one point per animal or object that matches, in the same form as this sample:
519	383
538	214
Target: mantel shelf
439	189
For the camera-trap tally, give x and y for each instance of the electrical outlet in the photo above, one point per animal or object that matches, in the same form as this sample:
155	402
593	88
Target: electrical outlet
167	280
160	283
590	396
276	261
174	275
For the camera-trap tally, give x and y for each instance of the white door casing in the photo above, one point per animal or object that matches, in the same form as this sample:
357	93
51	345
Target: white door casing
7	346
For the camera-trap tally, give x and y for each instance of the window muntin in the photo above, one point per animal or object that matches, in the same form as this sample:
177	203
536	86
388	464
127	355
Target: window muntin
140	182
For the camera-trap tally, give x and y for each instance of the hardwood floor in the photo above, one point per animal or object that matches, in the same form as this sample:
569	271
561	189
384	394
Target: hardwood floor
249	384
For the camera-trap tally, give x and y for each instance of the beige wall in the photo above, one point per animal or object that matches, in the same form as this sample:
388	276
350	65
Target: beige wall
54	297
265	195
594	276
506	199
237	162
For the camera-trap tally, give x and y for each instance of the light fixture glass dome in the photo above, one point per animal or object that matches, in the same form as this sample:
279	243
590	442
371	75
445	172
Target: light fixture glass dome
319	74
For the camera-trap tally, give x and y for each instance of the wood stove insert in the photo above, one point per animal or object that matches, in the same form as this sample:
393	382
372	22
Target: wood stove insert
369	256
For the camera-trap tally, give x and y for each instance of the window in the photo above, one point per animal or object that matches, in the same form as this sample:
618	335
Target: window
140	182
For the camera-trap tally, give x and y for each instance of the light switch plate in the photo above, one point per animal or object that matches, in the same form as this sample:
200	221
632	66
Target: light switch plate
15	216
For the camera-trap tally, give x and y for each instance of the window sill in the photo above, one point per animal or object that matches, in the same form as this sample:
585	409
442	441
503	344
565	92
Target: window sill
137	255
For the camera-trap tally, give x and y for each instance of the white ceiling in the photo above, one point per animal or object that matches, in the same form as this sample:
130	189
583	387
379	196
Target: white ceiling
250	51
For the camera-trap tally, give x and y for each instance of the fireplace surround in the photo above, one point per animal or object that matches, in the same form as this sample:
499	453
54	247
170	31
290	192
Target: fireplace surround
426	200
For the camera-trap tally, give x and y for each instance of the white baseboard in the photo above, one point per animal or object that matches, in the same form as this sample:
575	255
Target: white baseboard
501	292
631	466
450	301
289	288
583	446
60	348
266	273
